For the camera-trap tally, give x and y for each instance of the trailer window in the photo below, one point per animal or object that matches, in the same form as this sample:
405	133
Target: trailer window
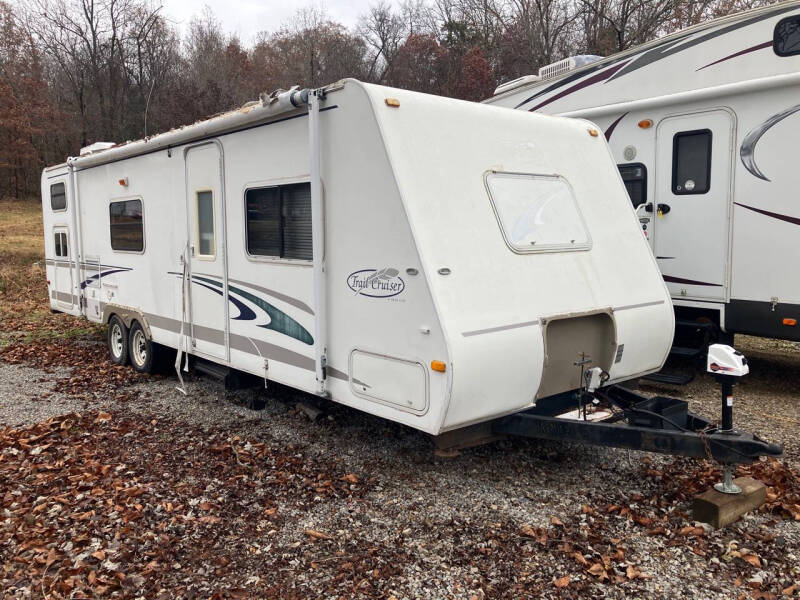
279	221
786	39
127	227
58	196
634	176
691	162
206	245
537	212
62	250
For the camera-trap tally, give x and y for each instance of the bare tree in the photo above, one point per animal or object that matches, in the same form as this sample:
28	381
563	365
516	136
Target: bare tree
382	31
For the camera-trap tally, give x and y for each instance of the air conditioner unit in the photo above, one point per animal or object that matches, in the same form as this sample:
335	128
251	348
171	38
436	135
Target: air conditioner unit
96	147
567	64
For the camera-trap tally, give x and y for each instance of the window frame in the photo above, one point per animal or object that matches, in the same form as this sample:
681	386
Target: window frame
264	258
144	227
197	255
620	166
58	210
62	244
674	180
549	248
775	39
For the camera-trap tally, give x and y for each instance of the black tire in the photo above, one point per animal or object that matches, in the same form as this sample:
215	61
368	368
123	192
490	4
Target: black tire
117	341
144	354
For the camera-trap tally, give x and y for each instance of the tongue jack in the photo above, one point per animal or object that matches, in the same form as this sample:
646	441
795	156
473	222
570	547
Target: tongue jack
727	365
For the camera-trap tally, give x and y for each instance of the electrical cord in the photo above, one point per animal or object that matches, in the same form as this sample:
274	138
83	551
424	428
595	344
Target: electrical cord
626	411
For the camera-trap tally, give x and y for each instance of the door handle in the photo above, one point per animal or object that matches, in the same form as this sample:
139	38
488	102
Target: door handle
648	207
663	209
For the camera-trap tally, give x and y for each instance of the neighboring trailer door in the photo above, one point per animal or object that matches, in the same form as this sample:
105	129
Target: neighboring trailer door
206	230
690	208
62	270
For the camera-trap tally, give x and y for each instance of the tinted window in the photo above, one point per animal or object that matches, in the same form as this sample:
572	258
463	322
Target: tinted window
58	196
279	221
635	178
127	227
691	162
786	39
205	223
264	237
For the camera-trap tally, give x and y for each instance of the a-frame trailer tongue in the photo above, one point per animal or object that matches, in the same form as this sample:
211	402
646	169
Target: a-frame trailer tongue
658	424
620	418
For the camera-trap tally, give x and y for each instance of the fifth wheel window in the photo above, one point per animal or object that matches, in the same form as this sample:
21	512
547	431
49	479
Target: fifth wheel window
691	162
537	212
786	39
634	176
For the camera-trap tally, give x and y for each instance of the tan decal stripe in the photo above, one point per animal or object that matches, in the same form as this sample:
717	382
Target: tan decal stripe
500	328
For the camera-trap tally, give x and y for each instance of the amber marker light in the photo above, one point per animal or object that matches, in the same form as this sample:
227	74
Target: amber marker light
790	322
438	365
593	132
645	123
394	102
124	182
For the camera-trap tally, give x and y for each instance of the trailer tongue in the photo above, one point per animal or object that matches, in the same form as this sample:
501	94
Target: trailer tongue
620	418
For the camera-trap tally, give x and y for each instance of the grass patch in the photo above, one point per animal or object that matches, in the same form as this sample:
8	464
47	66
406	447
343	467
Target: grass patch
22	273
25	316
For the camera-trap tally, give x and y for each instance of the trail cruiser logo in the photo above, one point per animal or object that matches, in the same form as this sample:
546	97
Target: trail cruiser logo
376	283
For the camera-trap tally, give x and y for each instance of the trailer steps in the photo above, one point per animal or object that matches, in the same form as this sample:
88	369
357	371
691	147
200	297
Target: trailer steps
686	352
705	331
231	378
670	378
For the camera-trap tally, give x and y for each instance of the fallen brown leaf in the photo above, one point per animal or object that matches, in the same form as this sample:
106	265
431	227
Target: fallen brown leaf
317	534
752	559
102	417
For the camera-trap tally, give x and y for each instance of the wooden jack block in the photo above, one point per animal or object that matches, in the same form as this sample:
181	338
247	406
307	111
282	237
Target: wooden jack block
720	509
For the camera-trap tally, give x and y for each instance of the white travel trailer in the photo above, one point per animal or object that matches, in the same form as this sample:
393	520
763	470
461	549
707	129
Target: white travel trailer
382	248
703	125
350	255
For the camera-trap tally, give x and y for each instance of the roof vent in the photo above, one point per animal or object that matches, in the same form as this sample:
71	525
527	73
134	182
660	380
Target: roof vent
515	83
96	147
568	64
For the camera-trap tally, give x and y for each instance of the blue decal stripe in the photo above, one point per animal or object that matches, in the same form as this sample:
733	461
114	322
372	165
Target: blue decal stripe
102	274
245	313
279	320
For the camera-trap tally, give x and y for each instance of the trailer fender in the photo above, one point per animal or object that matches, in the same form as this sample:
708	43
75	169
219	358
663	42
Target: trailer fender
128	316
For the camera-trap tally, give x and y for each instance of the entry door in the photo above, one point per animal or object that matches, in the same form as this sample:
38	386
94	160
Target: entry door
63	270
690	209
209	290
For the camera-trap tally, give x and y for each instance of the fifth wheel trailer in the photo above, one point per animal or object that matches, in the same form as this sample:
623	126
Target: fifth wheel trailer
385	249
703	125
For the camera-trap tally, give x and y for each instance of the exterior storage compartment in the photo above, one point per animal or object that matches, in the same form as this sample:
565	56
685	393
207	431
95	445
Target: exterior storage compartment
402	383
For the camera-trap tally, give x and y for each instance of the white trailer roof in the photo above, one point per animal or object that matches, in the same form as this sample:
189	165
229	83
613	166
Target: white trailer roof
251	114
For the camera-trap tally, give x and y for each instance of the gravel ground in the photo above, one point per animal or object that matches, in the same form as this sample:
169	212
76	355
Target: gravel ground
511	519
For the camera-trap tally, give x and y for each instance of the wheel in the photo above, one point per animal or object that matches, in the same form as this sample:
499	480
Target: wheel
117	341
142	350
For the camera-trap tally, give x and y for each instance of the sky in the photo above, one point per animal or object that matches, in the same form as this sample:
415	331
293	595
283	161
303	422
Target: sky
247	17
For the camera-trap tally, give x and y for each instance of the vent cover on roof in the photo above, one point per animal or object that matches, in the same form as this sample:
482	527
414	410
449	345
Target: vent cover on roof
568	64
515	83
96	147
